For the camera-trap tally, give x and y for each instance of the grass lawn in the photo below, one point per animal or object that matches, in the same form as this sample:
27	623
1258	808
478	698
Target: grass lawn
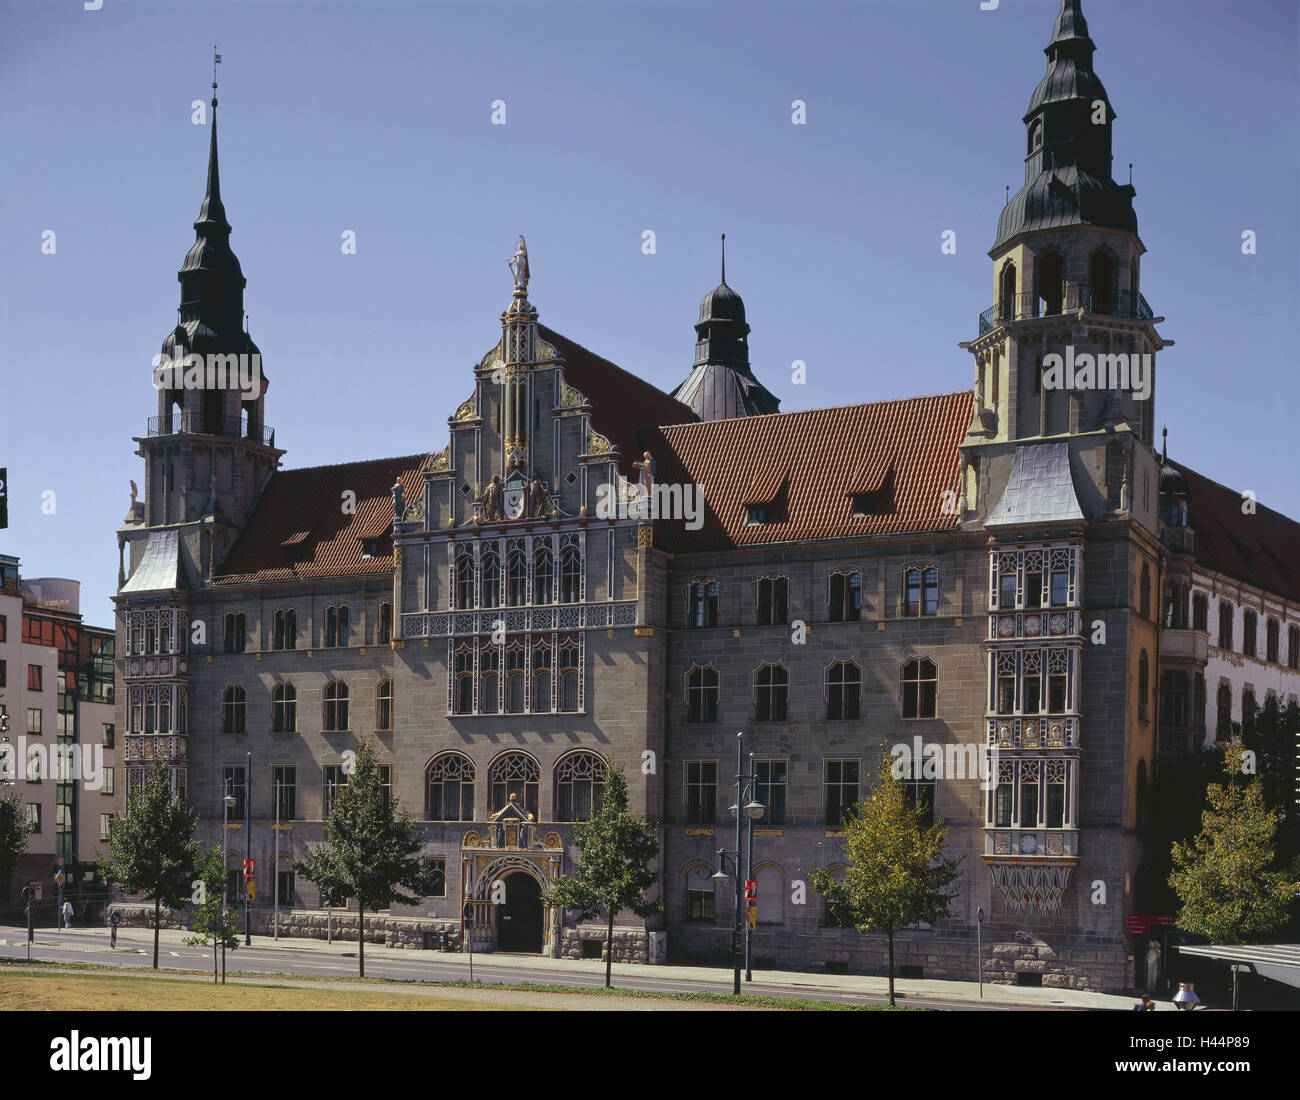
77	992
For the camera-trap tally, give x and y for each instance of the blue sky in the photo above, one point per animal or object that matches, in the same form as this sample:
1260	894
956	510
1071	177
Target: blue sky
620	117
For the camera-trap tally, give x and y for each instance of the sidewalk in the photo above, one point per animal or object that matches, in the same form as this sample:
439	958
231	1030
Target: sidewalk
911	991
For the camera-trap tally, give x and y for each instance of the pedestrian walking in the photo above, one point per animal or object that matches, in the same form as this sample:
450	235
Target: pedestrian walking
67	914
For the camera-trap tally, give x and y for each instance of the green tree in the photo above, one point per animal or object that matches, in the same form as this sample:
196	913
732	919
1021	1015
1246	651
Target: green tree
154	847
370	852
13	841
1272	733
897	874
615	850
213	921
1228	889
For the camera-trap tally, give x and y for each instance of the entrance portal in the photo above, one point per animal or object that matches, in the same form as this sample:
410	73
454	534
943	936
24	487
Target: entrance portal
519	920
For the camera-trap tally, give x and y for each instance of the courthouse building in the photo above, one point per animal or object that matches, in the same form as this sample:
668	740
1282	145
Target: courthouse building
985	569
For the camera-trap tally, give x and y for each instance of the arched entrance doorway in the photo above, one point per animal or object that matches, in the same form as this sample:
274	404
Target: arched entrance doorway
519	920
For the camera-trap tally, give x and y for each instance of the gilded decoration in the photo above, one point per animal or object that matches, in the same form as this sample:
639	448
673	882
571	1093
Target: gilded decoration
645	535
415	511
552	840
471	839
440	462
542	351
570	398
491	358
597	444
468	409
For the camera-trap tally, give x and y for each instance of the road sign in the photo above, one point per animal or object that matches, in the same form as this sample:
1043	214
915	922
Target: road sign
58	878
1137	925
116	918
1168	921
60	861
249	865
979	914
28	893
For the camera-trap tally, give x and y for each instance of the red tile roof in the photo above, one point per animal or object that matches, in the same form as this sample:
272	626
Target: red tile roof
620	402
904	452
303	510
1262	550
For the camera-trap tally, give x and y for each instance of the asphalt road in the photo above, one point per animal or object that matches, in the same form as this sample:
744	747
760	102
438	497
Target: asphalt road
76	946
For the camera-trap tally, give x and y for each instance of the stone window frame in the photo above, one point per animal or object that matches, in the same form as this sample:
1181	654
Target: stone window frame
920	568
712	892
277	793
1249	632
288	689
342	697
234	708
772	619
846	662
1050	551
384	723
229	618
842	784
464	763
843	612
282	618
341	628
531	776
917	659
768	818
599	769
702	785
384	622
703	690
1227	617
703	583
756	687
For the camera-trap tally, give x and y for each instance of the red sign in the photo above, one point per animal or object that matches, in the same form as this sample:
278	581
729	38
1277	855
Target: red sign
1137	926
249	864
1160	920
751	889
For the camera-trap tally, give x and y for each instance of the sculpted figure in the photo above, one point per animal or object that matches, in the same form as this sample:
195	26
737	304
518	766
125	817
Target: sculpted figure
519	265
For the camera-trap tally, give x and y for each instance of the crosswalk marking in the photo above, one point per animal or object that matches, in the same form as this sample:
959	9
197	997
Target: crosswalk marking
174	954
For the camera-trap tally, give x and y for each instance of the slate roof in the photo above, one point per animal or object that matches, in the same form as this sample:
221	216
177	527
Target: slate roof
1262	550
1040	488
621	403
717	392
810	464
302	510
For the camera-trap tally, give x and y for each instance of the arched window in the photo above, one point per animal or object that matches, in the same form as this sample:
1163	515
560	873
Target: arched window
1144	684
233	701
844	597
771	895
921	591
336	705
703	609
920	688
702	694
463	689
336	626
514	773
516	577
1225	624
464	577
516	660
570	570
490	579
1271	630
771	693
1293	647
1223	708
1200	611
570	673
384	625
1249	633
1051	283
284	708
384	705
579	783
1007	293
843	689
284	628
489	670
1101	282
543	574
449	788
543	702
700	888
1173	698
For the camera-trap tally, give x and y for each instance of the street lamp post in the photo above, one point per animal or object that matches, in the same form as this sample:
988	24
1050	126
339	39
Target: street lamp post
275	863
227	801
753	809
248	846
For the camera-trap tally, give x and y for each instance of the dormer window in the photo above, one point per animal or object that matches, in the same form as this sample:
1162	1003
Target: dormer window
370	548
864	505
755	515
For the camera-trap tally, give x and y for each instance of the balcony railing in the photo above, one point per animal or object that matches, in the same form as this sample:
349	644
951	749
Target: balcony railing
230	427
1073	298
149	747
519	620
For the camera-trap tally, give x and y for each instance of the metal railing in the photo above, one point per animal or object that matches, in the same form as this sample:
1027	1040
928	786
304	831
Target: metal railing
1073	297
230	427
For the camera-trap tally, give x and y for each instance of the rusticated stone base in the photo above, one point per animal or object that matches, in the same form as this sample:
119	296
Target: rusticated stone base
629	945
404	932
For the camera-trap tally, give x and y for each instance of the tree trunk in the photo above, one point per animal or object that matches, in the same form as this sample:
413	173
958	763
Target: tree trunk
214	960
361	936
224	934
157	916
609	949
890	934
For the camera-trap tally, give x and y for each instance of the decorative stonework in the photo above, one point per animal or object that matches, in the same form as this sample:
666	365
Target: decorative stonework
468	409
440	462
542	351
1030	885
552	840
570	398
597	444
645	535
471	840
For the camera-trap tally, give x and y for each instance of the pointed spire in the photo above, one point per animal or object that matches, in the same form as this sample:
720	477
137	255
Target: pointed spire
724	259
1164	446
1070	25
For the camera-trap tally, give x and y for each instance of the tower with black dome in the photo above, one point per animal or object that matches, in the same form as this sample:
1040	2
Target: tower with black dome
721	384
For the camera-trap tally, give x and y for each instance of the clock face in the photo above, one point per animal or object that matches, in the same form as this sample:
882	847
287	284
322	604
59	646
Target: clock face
1006	626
